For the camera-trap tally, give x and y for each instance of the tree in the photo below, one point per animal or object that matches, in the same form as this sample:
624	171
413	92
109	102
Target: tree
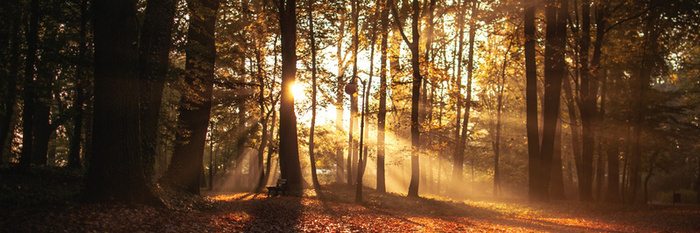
154	49
312	41
10	78
554	70
289	150
187	160
381	115
29	93
80	82
533	138
415	96
116	171
354	111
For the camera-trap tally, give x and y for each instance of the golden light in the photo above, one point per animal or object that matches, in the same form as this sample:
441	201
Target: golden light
298	91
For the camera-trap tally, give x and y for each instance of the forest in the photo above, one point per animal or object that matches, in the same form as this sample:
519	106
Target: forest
518	110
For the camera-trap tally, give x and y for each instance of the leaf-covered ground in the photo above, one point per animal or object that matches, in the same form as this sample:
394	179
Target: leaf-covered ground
334	210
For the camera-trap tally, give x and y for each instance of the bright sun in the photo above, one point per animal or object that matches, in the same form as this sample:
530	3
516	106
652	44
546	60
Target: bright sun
298	91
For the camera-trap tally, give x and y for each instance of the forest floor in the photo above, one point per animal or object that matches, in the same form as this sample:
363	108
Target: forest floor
42	203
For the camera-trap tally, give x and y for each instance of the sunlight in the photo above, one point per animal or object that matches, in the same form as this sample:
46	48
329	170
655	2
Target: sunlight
298	91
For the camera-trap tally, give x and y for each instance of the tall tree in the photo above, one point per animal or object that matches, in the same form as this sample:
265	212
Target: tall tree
32	34
289	149
554	70
458	158
80	82
187	159
381	115
533	138
415	93
340	95
312	41
154	49
354	111
587	107
461	145
116	171
641	89
11	76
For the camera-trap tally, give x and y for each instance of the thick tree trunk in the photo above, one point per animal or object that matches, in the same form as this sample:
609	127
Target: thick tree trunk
154	49
289	150
554	72
587	107
187	159
532	124
116	172
41	127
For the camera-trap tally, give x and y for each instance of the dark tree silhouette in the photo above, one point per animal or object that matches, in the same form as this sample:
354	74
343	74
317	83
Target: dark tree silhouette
186	165
154	49
32	36
290	167
116	171
80	82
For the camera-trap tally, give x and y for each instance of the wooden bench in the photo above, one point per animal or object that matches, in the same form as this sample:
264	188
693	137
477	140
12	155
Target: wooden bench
281	187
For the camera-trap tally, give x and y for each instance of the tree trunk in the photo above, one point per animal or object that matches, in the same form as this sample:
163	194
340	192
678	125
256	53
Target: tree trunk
554	72
533	138
270	146
264	118
29	92
640	103
470	73
612	193
289	150
362	162
81	79
556	187
573	125
116	172
187	159
587	107
458	159
314	177
381	115
340	95
42	108
154	49
354	111
499	110
11	79
415	100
